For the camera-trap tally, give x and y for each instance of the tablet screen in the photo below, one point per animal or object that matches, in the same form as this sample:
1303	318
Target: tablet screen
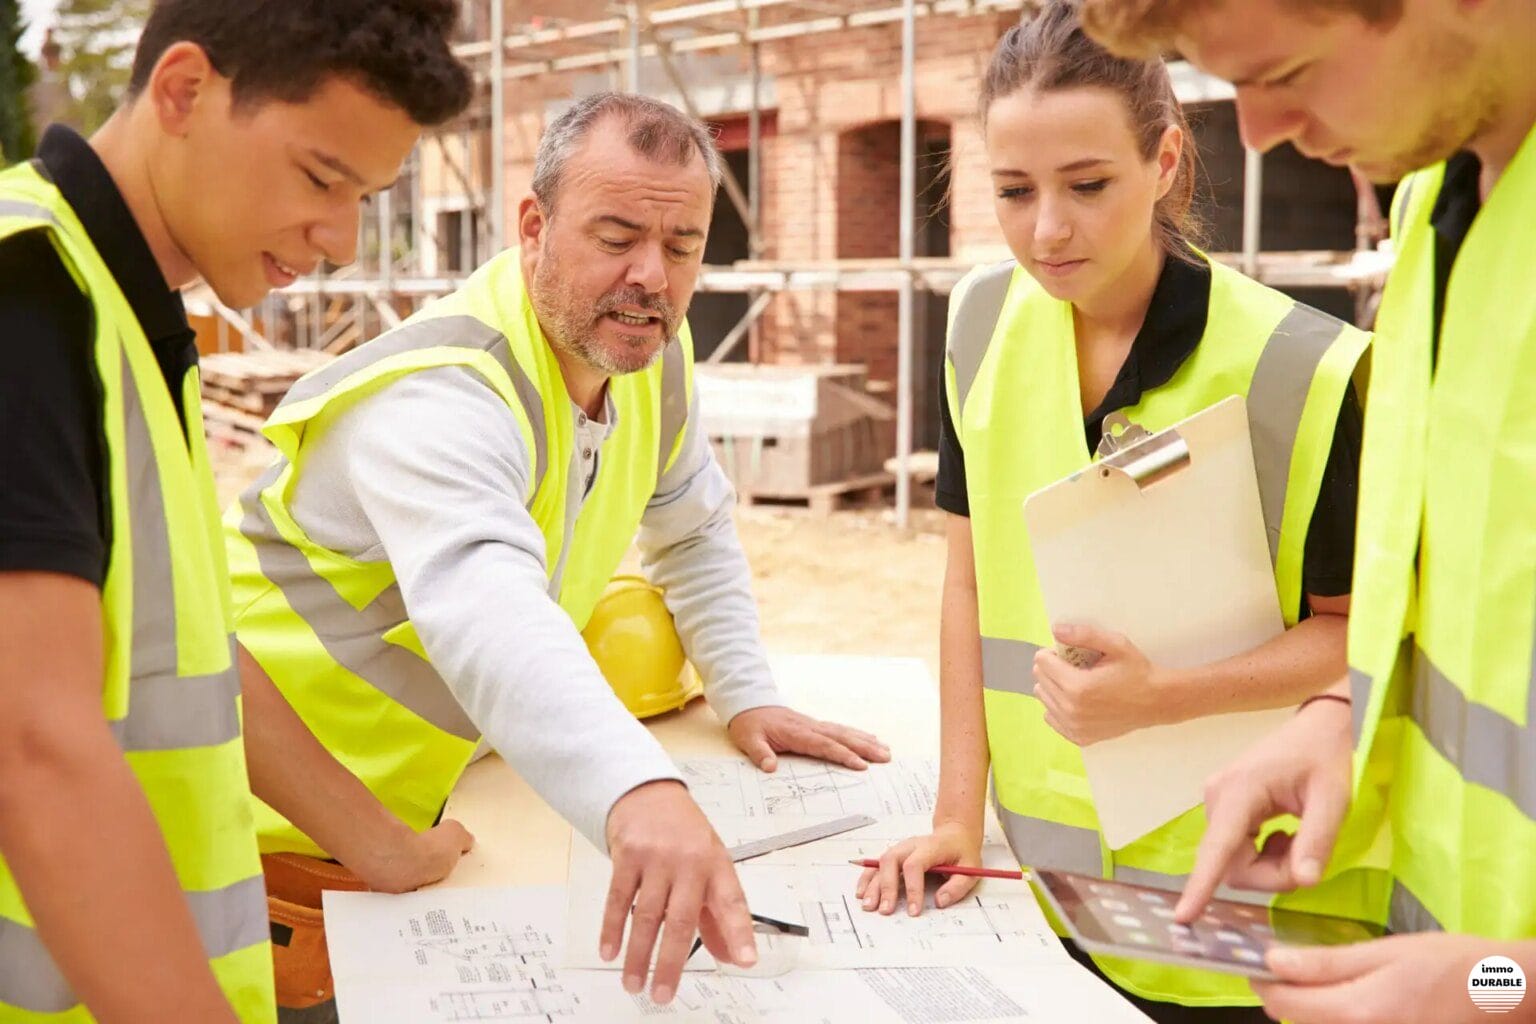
1138	921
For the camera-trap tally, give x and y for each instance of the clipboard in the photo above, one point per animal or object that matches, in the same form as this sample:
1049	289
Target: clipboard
1163	540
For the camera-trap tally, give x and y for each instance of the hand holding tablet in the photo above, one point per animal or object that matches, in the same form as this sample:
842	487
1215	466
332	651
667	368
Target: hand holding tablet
1136	921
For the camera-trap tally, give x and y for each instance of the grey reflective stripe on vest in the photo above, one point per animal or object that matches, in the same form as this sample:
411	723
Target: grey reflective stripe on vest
1049	844
1008	665
227	919
1406	914
974	324
1405	196
1486	748
1359	695
438	332
575	495
1277	396
166	711
674	401
171	712
354	638
15	208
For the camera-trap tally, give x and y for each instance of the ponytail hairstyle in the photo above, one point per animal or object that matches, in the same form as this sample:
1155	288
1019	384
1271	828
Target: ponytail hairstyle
1051	52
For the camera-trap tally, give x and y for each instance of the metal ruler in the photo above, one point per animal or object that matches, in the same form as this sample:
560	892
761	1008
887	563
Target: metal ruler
799	837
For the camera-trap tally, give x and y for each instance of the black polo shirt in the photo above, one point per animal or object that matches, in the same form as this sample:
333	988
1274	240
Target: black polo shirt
1455	209
1173	327
54	505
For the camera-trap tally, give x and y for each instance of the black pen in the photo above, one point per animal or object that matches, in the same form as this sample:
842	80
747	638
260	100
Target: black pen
781	927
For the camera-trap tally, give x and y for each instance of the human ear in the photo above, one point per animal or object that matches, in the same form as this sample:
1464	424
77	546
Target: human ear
180	82
532	222
1170	154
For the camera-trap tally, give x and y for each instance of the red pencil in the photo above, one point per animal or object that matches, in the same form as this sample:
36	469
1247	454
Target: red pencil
951	869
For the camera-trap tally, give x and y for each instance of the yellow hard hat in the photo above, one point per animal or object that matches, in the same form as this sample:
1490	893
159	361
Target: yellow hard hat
634	642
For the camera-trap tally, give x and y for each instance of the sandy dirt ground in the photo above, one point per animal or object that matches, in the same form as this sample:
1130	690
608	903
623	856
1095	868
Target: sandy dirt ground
847	583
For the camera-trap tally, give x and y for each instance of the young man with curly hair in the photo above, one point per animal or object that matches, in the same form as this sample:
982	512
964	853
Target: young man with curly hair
130	888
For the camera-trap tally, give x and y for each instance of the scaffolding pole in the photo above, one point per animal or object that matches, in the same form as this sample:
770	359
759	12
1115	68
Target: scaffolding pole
607	49
632	16
497	212
907	301
755	247
1253	206
755	146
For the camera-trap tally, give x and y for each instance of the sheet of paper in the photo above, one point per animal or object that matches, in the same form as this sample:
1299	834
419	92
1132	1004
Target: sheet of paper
767	893
448	955
1000	922
491	955
912	995
802	788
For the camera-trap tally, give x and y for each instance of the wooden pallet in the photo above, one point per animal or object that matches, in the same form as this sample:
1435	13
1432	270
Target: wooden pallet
240	390
256	381
824	499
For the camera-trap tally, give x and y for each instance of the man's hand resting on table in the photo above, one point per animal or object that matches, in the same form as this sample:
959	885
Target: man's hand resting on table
671	868
764	733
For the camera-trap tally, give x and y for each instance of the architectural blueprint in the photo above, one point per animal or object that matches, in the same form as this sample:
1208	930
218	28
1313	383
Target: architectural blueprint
451	955
998	924
802	788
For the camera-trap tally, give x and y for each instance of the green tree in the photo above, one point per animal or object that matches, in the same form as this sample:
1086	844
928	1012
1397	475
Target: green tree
96	40
16	74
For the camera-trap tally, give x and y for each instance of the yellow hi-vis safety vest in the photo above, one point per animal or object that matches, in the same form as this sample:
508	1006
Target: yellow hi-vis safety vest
171	687
1014	399
1448	483
333	633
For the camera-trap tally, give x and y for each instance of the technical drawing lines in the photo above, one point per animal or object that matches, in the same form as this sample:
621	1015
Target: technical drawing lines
515	1004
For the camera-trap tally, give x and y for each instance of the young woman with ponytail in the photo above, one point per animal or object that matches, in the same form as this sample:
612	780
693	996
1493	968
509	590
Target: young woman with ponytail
1108	306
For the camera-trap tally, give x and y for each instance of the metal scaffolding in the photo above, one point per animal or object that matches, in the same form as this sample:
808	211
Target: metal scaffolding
337	310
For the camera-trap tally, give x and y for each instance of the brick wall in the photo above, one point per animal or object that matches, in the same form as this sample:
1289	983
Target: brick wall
837	190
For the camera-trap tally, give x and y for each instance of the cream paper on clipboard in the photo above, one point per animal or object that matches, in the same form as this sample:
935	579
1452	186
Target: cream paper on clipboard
1180	565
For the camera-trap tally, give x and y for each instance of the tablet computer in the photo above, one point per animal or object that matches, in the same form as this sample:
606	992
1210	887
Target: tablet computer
1136	922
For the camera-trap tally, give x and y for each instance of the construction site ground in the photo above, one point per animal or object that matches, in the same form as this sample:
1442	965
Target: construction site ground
845	583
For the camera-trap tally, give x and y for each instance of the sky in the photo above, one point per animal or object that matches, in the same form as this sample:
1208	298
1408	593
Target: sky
38	13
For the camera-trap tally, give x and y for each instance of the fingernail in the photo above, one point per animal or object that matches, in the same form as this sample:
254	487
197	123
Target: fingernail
940	901
869	904
661	994
746	956
608	951
911	909
1282	959
633	984
860	763
885	906
1309	871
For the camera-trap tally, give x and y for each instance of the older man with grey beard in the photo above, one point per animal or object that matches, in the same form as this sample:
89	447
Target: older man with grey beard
452	497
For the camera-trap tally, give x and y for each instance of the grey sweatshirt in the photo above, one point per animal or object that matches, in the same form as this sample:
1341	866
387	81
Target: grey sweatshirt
432	475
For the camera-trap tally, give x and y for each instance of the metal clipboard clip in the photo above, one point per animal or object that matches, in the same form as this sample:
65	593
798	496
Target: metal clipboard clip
1144	457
